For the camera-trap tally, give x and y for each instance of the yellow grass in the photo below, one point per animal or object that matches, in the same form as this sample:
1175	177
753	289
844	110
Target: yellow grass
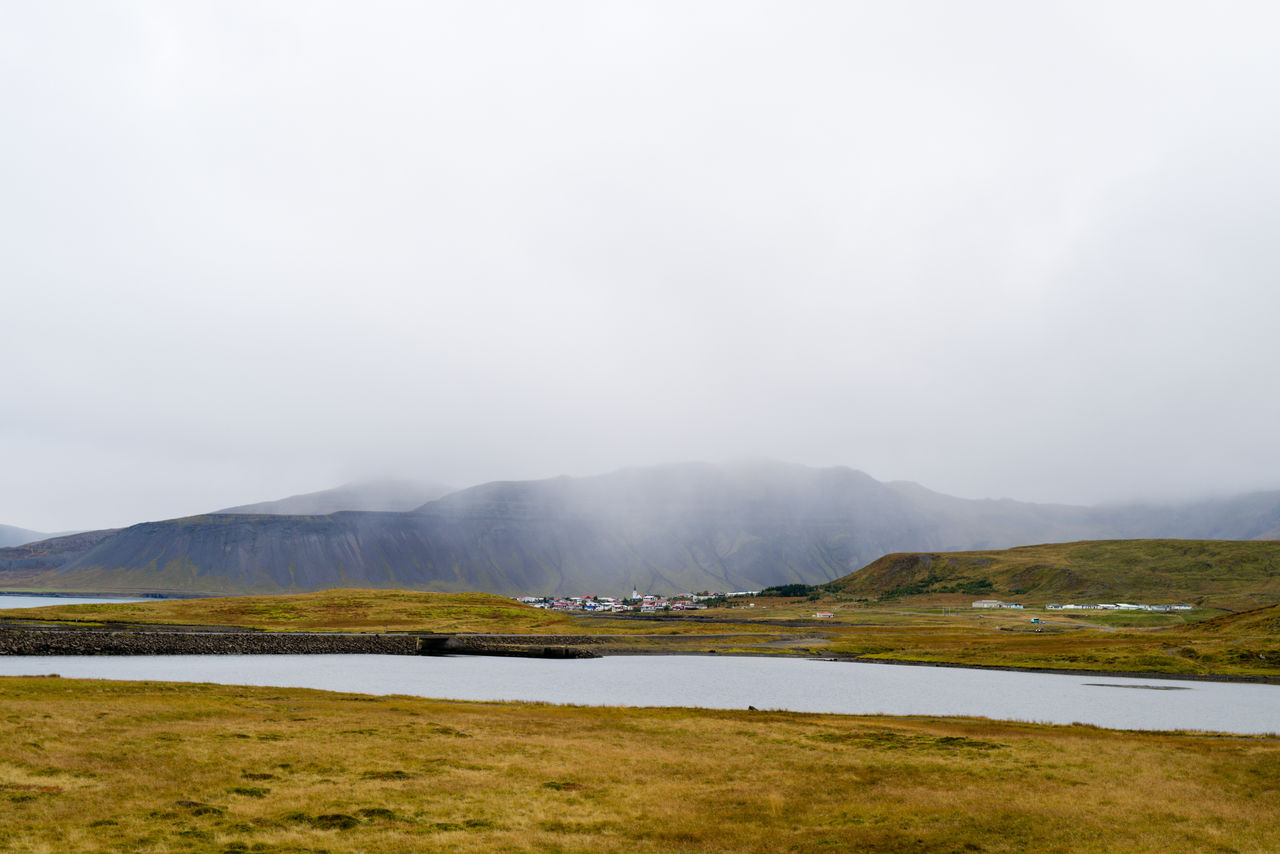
360	611
327	610
101	766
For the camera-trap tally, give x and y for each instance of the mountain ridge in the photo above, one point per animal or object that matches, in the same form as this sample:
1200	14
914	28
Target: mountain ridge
11	535
688	526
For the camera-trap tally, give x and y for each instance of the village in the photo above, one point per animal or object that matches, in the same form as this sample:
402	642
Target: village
646	603
1101	606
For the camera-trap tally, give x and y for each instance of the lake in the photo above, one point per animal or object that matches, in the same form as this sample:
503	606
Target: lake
22	600
721	682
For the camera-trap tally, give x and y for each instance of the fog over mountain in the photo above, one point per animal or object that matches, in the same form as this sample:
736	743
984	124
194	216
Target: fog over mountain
1004	249
11	536
666	529
388	494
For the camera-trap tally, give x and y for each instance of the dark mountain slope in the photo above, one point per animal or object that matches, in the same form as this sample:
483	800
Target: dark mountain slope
232	553
21	564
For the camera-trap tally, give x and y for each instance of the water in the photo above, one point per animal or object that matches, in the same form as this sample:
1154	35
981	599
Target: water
11	600
722	682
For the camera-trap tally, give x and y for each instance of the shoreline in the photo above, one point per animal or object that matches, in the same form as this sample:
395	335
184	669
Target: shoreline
24	641
1054	671
145	596
121	639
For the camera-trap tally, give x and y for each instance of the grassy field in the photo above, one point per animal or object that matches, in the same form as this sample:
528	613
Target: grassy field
355	611
1235	575
1202	643
328	610
108	766
1150	651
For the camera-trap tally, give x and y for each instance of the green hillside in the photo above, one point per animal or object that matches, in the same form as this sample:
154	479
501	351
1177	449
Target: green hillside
1258	623
1211	573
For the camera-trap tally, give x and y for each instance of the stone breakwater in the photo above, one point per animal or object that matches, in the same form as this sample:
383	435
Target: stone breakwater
143	642
526	646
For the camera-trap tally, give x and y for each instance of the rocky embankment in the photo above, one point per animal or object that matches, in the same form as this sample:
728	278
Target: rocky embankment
58	641
525	646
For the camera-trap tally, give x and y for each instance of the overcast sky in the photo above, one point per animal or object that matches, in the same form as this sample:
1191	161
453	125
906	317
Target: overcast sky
1000	248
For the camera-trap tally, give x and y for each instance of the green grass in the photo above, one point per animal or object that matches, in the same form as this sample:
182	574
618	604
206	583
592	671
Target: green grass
93	766
1212	573
1140	619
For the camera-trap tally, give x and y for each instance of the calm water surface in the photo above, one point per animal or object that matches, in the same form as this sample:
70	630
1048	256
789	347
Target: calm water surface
9	600
721	682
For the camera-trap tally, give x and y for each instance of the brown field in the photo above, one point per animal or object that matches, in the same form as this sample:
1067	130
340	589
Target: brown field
359	611
152	767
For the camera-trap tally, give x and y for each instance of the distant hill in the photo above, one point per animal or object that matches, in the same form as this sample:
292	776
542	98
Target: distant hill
32	562
1229	574
663	529
387	495
11	536
223	553
1253	516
